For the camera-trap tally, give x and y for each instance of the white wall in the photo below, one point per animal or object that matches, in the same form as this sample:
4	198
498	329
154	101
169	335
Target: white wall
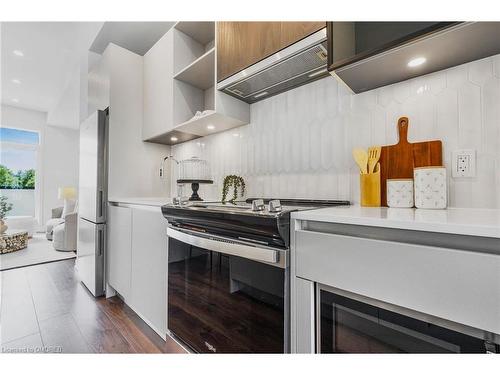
133	164
67	111
58	158
60	164
299	143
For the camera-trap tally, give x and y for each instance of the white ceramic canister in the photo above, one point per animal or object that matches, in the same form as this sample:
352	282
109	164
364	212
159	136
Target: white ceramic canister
400	192
430	187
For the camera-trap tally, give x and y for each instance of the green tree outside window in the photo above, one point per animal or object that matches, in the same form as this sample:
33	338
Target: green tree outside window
19	180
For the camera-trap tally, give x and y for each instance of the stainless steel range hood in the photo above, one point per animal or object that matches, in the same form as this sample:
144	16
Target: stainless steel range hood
449	46
298	64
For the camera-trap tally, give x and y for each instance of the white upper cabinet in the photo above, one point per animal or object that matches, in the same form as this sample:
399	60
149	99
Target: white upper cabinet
158	88
180	97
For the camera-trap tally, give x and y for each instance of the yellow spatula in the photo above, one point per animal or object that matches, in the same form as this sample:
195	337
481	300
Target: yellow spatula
373	157
361	157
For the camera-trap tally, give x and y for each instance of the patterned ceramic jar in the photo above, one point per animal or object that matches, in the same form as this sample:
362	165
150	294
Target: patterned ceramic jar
430	187
400	193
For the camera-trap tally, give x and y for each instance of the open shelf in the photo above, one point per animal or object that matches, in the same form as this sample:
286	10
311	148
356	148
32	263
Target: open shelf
201	72
198	125
202	32
193	88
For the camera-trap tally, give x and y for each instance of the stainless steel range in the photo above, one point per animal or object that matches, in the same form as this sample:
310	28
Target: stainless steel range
228	274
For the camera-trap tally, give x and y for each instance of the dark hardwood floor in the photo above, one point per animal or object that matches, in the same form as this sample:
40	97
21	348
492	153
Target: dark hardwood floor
44	308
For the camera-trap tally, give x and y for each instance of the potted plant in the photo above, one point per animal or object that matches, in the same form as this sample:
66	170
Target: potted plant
236	182
4	208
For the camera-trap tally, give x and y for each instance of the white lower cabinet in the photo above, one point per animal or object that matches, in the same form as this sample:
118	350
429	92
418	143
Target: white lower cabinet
119	249
149	267
137	261
456	285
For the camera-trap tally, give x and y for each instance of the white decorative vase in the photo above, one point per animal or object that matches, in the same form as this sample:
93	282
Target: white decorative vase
430	187
3	226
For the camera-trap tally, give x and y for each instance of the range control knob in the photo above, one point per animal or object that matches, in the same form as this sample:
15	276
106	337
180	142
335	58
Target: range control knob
274	206
258	205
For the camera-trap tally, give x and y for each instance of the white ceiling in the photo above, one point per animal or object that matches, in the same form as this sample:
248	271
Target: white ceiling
137	37
51	75
52	52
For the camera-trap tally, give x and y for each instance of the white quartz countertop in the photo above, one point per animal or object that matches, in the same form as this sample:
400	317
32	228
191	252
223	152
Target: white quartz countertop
465	221
142	201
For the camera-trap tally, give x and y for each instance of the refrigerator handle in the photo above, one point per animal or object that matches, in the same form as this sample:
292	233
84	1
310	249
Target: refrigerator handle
100	241
100	202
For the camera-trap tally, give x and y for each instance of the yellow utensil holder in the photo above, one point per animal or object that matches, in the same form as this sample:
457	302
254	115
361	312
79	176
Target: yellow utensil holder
370	189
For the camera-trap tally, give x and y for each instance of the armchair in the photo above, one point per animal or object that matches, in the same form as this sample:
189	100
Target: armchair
59	216
56	219
65	233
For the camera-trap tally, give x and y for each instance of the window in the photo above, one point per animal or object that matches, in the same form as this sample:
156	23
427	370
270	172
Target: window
18	170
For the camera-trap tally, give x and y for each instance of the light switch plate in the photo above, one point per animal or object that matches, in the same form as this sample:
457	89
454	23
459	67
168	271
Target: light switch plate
463	163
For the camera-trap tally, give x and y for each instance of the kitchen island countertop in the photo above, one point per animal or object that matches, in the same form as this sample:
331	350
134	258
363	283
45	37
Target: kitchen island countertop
462	221
142	201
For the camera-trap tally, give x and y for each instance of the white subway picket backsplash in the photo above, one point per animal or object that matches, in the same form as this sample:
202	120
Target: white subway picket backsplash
298	144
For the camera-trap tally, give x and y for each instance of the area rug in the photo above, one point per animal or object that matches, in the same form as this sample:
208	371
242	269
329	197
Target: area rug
39	250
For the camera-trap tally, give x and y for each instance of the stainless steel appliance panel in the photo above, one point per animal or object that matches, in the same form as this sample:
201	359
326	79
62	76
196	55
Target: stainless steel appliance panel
90	260
354	325
219	302
93	173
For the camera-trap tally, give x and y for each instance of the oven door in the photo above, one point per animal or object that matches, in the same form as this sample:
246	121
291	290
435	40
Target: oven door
227	296
348	325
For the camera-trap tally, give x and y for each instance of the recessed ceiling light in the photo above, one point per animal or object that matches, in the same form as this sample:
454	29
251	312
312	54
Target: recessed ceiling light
16	81
236	135
18	53
15	100
416	62
210	127
174	139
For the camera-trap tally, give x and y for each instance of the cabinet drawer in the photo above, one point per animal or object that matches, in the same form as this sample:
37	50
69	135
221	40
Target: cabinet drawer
456	285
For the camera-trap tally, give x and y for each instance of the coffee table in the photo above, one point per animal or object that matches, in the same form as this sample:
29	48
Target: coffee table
13	240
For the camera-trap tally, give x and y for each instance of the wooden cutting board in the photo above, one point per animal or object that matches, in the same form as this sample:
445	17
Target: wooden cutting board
398	161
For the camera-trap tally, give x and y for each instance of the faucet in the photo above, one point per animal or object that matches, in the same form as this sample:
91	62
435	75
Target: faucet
162	168
179	186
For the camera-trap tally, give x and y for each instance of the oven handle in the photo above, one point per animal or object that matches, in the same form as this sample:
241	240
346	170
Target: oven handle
229	247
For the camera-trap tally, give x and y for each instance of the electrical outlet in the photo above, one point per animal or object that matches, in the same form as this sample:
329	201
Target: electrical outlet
463	163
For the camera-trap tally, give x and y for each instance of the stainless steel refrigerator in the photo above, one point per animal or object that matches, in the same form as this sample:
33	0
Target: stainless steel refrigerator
90	252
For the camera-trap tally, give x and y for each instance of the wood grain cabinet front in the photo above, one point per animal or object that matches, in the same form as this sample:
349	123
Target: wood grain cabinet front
241	44
292	32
